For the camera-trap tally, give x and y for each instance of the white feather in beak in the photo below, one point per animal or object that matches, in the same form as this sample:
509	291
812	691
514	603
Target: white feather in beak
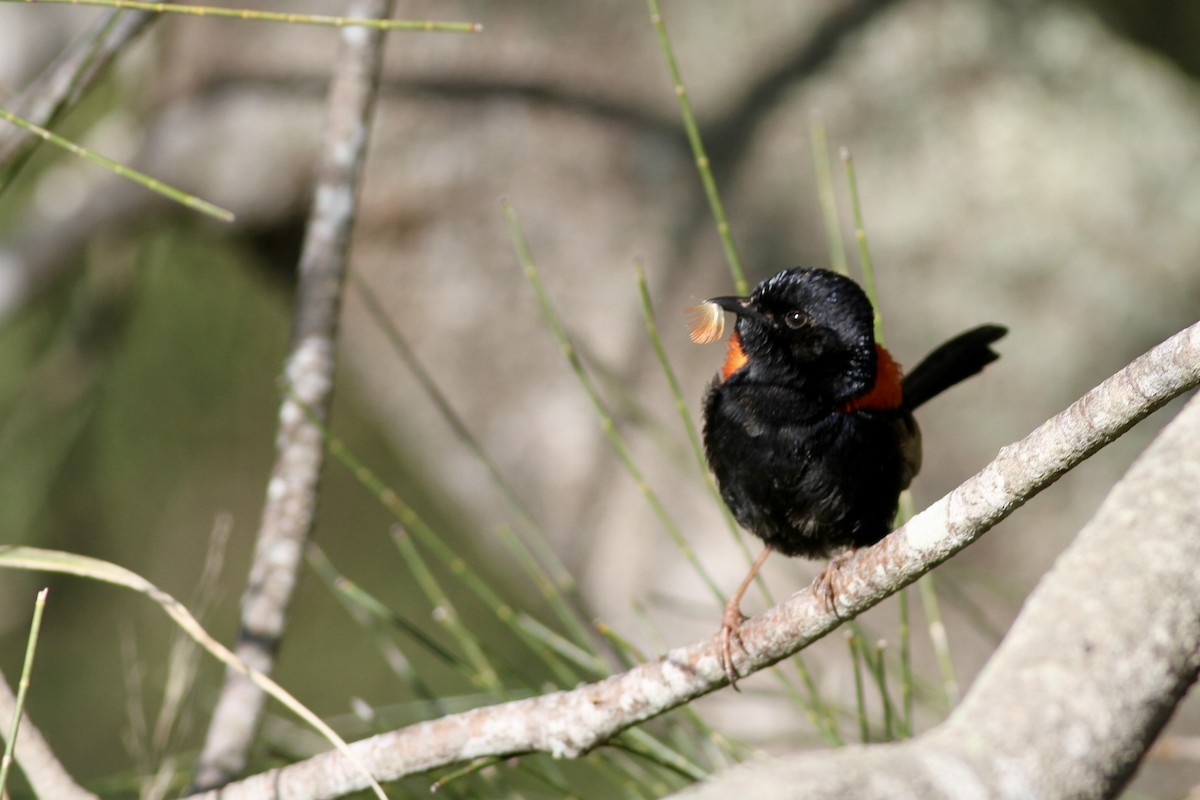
706	322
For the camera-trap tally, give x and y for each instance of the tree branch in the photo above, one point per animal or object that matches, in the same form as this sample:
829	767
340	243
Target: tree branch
1106	647
63	83
34	261
570	723
292	491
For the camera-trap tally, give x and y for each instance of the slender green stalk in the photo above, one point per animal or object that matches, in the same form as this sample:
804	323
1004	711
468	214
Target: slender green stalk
823	165
643	781
548	572
535	632
868	655
860	698
271	16
819	714
607	424
665	755
681	406
880	675
412	523
561	789
657	753
906	674
377	619
860	236
907	689
462	772
36	558
183	659
567	613
485	675
967	604
937	637
693	135
35	630
532	633
154	185
626	651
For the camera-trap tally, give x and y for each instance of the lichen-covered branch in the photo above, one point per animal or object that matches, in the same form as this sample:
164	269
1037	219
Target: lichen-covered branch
570	723
292	490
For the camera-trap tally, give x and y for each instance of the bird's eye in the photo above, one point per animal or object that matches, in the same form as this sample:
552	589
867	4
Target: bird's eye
794	319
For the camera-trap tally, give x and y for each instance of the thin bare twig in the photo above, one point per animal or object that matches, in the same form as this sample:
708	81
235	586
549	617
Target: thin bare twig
292	491
60	85
570	723
63	83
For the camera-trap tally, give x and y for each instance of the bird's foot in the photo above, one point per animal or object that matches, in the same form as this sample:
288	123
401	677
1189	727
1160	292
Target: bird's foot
827	585
731	624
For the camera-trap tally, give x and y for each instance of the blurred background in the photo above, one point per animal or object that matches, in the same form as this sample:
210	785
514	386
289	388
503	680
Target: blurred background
1030	163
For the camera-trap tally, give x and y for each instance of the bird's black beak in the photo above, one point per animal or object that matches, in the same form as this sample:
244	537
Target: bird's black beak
737	305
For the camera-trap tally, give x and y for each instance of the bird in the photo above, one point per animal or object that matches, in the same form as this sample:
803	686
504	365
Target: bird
808	426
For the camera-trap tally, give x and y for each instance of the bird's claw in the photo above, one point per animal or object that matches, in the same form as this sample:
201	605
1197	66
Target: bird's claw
731	624
827	585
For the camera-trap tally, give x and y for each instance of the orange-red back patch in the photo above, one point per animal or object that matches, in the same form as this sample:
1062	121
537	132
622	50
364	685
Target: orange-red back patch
886	393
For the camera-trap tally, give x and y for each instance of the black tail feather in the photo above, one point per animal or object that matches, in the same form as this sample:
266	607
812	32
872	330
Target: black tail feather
956	360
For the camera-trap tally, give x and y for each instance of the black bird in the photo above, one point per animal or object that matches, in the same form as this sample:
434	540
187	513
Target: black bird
809	427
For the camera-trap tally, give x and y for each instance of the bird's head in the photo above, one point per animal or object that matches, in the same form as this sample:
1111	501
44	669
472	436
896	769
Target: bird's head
811	325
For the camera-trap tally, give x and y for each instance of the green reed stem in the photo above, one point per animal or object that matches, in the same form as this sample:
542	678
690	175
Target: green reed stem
698	153
707	734
880	675
462	772
377	620
636	741
626	651
681	406
569	614
819	714
907	679
937	637
607	424
35	629
860	698
558	586
565	648
154	185
560	787
823	165
412	523
906	673
271	16
485	674
860	236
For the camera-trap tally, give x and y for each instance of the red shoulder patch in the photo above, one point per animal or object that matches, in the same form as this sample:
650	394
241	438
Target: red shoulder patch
735	357
886	393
